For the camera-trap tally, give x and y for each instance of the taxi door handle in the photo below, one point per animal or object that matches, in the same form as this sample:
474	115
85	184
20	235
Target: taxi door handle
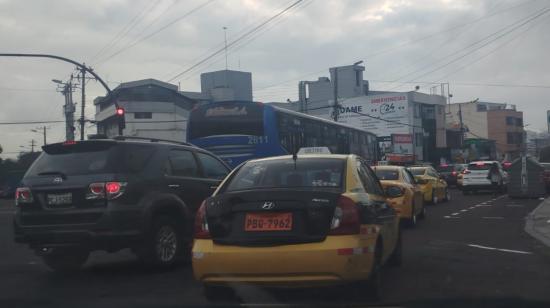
174	186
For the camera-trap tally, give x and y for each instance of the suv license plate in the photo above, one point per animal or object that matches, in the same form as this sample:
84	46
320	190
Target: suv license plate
60	199
268	222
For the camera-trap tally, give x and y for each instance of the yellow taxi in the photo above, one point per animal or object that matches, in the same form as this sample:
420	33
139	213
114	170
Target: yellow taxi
403	193
300	221
432	185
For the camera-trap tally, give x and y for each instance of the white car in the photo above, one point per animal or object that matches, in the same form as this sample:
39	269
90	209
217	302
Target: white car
475	176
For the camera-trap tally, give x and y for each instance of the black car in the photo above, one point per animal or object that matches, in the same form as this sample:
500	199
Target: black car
113	194
449	172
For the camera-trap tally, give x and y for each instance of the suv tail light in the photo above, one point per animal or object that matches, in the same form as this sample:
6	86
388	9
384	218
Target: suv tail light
466	171
201	225
23	195
454	173
346	217
109	190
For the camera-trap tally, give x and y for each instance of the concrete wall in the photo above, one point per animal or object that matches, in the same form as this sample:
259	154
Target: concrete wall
474	120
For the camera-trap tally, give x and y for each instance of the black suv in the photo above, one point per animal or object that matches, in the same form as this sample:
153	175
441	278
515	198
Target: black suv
113	194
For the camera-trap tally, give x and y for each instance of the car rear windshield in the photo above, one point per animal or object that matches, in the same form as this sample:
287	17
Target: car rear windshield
90	158
479	166
283	173
418	171
387	174
445	168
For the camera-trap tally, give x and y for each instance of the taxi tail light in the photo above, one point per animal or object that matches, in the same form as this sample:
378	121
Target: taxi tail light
109	190
23	195
346	217
201	225
454	173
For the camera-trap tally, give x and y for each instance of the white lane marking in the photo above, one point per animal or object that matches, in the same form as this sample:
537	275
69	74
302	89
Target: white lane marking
464	210
451	217
500	249
471	207
492	217
454	214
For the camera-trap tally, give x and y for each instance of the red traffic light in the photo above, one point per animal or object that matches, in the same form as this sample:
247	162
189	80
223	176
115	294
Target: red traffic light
119	111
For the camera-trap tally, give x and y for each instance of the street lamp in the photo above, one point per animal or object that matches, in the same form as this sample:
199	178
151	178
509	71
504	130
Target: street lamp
57	81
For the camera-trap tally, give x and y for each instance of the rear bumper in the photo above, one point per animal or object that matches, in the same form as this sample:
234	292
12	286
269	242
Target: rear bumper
113	230
476	186
300	265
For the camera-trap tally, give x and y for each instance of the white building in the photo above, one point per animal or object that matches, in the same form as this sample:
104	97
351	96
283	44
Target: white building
156	109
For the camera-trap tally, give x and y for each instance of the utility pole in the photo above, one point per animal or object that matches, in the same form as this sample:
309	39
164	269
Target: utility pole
335	108
68	108
33	143
41	130
83	103
461	124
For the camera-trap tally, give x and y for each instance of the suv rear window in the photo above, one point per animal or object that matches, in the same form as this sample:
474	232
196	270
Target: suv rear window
445	168
91	158
387	174
74	159
282	173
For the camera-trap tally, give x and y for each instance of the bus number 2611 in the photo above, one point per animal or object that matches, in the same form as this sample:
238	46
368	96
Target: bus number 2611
257	139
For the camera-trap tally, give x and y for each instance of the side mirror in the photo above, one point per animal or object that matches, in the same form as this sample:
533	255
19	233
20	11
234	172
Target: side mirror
394	192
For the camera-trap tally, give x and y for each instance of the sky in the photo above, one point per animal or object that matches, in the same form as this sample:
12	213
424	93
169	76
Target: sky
494	50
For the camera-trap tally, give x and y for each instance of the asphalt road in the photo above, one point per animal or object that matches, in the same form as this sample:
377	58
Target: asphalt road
471	251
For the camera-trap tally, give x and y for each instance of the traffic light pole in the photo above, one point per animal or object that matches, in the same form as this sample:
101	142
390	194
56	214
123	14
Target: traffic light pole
83	69
83	103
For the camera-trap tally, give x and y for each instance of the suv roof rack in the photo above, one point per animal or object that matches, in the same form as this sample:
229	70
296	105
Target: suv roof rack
151	140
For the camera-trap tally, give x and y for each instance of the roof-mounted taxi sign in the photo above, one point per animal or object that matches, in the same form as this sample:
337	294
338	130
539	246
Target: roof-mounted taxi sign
314	150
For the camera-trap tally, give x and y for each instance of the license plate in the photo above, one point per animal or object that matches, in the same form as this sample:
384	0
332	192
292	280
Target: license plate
60	199
268	222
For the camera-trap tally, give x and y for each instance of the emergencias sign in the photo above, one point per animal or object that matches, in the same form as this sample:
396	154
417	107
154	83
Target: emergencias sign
382	115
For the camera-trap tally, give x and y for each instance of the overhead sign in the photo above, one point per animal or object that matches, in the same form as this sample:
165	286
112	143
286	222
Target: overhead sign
382	115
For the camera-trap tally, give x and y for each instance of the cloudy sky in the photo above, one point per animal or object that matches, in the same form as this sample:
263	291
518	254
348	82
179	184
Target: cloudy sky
495	50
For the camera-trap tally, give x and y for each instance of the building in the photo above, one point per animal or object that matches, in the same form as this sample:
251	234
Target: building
156	109
410	125
499	122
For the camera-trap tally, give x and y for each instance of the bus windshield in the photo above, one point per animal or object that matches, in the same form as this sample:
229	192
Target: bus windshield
226	118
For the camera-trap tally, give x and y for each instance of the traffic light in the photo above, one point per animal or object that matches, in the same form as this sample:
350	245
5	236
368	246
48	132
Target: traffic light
119	113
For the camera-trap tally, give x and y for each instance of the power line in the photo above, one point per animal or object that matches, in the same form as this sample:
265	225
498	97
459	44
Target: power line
155	32
459	83
243	36
412	41
30	122
240	45
126	29
513	27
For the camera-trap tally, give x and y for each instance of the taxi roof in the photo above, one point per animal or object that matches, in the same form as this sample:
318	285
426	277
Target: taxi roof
302	156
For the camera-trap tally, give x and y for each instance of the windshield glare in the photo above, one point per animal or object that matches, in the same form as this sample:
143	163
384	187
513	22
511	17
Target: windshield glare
418	171
386	174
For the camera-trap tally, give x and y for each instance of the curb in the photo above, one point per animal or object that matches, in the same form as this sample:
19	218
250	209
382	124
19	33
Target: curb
533	218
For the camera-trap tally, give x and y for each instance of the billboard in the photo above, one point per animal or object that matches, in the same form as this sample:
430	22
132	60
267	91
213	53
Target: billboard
382	115
402	143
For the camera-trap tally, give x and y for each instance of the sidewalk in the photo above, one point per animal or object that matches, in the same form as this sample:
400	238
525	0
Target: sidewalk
538	222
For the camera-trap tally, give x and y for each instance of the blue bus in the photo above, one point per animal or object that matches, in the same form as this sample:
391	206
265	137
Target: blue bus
237	131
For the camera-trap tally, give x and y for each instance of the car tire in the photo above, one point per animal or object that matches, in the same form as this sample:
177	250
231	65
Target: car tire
164	244
422	214
447	195
373	286
217	293
396	258
66	259
411	222
434	198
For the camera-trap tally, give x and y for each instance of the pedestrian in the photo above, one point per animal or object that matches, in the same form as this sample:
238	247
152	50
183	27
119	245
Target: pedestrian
495	178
